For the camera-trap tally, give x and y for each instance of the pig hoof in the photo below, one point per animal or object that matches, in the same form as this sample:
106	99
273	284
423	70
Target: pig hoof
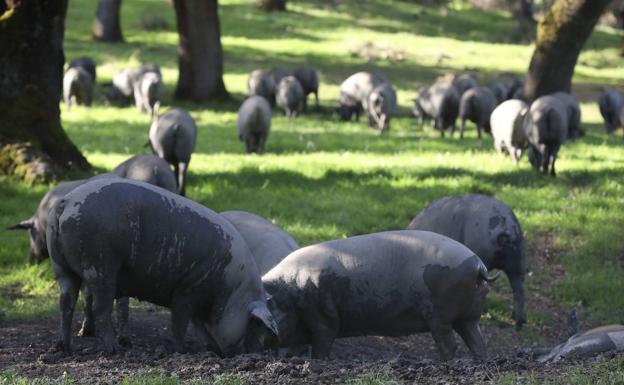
124	341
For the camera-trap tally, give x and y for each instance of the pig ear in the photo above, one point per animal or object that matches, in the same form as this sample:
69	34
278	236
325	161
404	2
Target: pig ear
262	313
23	225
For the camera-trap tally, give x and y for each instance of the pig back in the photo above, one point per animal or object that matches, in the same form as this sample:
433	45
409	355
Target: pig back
161	243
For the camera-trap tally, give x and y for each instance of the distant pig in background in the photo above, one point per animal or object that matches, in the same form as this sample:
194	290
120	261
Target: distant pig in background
172	137
254	123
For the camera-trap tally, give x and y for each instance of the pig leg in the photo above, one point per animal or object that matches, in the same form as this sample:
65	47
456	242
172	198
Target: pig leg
445	341
88	327
181	314
211	344
462	128
323	324
103	298
70	286
519	314
471	334
316	100
122	308
181	174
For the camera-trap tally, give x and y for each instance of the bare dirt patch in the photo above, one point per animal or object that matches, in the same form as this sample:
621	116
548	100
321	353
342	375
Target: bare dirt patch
25	348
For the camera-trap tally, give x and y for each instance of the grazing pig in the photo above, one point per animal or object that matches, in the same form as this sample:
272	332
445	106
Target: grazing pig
514	91
261	83
254	123
391	283
546	128
268	243
279	73
355	90
582	345
439	102
506	124
122	238
574	113
148	92
500	91
309	79
380	106
148	168
87	64
486	226
290	96
477	105
77	87
611	105
463	83
123	86
172	137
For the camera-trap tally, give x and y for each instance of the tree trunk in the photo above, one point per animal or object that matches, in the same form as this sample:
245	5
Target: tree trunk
273	5
560	37
200	55
32	139
106	25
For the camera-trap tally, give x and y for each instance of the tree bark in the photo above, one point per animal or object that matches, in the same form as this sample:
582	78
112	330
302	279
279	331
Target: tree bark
273	5
32	140
106	25
560	37
200	55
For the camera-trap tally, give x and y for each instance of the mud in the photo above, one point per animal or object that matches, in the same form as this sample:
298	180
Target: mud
25	347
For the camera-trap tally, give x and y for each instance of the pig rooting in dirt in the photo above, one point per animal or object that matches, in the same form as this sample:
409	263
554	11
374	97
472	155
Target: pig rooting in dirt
121	238
391	284
486	226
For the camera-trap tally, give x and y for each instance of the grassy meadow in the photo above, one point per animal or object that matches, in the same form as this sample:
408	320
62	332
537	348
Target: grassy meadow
323	179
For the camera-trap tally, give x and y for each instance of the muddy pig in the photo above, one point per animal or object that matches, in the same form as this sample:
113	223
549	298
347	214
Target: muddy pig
254	123
77	87
355	90
392	283
486	226
268	243
122	238
148	168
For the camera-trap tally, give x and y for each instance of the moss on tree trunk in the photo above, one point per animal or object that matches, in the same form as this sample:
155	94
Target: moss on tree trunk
560	37
33	144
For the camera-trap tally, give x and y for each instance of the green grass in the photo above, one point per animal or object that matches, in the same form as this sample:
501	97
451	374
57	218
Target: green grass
323	179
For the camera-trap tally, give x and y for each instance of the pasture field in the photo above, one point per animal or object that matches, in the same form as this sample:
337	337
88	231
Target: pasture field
324	179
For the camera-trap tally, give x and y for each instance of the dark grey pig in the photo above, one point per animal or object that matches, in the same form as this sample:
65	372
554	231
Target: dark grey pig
599	340
172	137
150	169
546	128
514	91
574	113
122	238
477	105
279	73
486	226
463	83
611	105
506	124
500	91
290	96
393	283
148	92
268	243
439	102
77	87
124	82
381	106
254	123
87	64
355	90
261	83
309	79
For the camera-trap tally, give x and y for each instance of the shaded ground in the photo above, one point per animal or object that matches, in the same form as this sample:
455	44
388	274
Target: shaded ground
25	347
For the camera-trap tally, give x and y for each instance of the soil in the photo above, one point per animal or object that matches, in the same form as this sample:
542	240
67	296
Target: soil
25	347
